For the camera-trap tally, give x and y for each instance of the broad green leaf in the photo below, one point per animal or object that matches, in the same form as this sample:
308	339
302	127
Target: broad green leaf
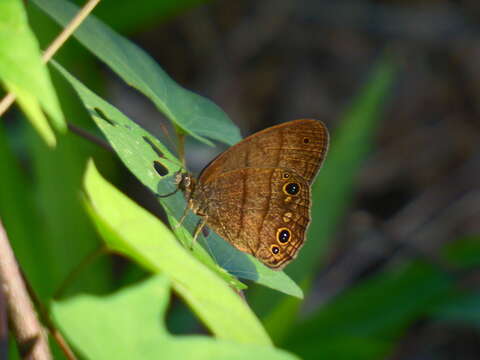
130	324
193	114
333	188
145	239
144	156
22	71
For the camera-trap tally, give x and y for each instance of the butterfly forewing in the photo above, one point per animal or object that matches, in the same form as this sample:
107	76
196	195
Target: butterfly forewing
298	145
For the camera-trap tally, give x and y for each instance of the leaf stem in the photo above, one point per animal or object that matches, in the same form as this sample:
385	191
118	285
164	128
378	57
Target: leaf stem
90	137
87	260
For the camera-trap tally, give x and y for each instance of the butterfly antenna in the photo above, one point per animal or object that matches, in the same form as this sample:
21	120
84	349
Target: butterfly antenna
167	136
178	180
167	195
181	147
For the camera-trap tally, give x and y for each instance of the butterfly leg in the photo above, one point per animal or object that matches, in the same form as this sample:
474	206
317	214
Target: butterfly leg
200	225
182	219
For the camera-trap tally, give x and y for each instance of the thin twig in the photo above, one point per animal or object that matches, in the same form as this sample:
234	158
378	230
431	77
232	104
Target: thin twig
45	317
69	30
57	336
55	45
73	274
30	335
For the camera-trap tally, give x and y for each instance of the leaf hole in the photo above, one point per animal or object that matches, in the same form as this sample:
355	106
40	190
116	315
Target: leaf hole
159	168
102	116
153	146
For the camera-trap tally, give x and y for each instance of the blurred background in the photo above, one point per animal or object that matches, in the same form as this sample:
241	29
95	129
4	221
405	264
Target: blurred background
398	277
273	61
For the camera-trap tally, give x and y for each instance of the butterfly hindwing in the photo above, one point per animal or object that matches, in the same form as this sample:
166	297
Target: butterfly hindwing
262	211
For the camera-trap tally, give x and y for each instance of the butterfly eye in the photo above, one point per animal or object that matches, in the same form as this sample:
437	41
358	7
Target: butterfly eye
283	235
291	188
205	231
275	249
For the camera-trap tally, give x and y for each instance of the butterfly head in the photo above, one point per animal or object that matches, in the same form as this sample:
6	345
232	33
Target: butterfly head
185	182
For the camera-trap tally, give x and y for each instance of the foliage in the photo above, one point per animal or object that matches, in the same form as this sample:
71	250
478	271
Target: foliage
22	72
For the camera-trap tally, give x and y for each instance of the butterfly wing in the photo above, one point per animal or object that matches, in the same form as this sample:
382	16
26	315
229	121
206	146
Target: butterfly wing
298	145
261	211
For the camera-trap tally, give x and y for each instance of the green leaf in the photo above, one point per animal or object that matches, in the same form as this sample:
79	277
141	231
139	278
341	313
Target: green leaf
462	306
332	190
246	266
130	325
141	153
347	348
463	309
144	238
378	309
134	16
22	71
195	115
18	208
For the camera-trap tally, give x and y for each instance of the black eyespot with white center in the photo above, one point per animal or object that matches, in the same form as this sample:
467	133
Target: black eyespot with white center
292	188
283	235
286	175
275	249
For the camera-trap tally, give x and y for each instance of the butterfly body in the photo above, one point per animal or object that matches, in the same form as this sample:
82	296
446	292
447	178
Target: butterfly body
256	195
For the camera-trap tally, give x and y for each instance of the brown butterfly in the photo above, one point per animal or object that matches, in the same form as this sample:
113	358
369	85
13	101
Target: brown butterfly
256	195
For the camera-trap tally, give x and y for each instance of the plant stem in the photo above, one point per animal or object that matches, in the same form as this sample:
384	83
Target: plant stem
29	333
